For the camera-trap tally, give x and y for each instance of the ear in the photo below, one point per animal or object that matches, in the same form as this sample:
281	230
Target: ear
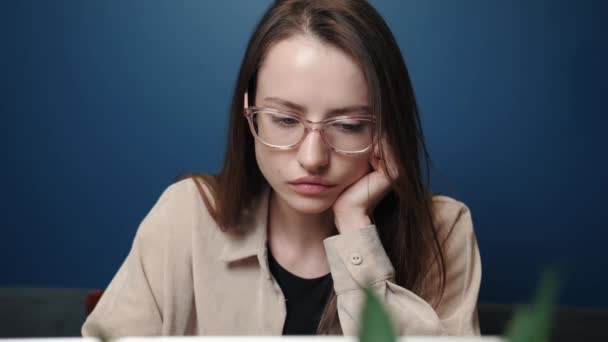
376	150
245	101
374	158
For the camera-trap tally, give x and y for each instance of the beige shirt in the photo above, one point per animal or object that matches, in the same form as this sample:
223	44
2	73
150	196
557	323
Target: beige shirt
184	276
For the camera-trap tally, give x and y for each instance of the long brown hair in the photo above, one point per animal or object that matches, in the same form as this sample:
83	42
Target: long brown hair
404	217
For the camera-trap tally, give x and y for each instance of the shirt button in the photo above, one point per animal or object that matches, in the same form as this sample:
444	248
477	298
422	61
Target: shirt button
356	259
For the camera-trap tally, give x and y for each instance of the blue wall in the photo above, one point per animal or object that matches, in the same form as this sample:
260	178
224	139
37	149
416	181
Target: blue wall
103	102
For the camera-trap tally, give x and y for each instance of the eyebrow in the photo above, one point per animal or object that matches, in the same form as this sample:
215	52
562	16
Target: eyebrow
333	112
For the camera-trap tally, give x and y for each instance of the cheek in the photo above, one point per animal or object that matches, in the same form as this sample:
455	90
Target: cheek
269	162
354	167
262	159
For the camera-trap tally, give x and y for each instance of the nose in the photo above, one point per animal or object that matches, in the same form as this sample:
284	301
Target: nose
313	154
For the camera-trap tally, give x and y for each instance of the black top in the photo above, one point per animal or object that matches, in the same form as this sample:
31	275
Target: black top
305	299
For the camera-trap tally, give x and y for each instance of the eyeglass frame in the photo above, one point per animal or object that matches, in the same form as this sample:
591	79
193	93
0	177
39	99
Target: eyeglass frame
308	127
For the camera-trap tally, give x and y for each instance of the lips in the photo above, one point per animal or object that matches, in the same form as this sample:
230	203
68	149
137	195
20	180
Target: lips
312	180
311	185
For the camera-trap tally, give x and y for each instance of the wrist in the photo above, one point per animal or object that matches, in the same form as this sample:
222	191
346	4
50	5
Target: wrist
351	222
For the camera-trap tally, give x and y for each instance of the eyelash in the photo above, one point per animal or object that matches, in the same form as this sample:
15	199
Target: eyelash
281	121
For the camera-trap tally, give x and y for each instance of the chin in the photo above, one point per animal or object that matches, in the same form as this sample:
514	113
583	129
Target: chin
309	204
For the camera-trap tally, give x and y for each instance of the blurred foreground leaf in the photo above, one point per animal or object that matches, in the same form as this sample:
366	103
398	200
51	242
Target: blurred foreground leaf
376	325
533	323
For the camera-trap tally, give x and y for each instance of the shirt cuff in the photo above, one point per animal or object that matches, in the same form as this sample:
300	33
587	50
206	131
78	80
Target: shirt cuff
357	259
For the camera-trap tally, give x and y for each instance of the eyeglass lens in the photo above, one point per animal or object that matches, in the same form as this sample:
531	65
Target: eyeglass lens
348	134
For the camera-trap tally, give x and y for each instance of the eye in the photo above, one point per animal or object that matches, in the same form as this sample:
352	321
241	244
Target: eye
350	126
284	120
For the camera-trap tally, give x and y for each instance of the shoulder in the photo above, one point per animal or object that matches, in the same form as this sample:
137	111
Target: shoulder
187	189
462	263
179	209
448	208
452	218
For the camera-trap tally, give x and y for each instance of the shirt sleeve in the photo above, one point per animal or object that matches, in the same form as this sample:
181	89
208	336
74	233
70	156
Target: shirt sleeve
137	302
128	305
357	260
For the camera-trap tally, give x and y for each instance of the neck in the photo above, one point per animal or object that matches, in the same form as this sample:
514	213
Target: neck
302	232
296	239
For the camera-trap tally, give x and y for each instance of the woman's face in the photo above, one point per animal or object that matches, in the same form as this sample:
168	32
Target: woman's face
318	78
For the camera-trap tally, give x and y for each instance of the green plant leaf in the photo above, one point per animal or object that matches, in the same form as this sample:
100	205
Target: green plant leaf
376	325
533	323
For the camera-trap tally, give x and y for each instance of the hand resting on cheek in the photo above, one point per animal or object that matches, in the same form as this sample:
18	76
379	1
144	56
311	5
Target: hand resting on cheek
355	204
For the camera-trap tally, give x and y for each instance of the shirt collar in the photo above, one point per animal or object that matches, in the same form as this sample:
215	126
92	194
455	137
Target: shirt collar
250	240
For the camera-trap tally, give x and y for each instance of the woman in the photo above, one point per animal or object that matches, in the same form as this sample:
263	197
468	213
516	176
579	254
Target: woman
320	195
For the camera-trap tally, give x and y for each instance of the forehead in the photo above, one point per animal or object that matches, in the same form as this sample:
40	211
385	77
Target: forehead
317	76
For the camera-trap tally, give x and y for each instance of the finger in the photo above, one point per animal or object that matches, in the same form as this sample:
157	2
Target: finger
379	184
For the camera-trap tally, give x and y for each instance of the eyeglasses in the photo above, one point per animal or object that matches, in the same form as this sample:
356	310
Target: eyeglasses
282	130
